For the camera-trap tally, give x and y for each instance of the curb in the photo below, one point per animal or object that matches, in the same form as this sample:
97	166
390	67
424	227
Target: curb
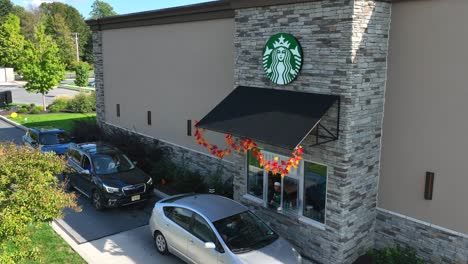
69	240
13	123
77	89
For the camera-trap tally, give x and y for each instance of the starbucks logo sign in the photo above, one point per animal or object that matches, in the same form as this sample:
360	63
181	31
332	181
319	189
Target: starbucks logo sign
282	58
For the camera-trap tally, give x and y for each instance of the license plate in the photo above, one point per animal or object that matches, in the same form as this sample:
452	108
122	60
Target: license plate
136	198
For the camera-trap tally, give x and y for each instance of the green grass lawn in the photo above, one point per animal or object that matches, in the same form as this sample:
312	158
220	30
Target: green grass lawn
60	120
52	248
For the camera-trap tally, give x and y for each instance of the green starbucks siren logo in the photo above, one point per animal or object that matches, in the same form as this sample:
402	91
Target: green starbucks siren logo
282	58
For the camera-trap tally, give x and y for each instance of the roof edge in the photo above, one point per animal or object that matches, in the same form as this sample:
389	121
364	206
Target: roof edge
198	12
189	13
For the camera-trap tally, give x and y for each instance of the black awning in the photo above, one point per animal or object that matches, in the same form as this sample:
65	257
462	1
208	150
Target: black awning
276	117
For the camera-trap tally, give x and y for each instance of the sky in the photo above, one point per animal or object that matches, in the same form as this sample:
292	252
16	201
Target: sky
120	6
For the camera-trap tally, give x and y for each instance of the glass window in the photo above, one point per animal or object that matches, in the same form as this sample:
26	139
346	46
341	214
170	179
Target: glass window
315	188
290	194
54	138
34	136
75	156
244	232
111	162
180	216
255	177
283	193
202	230
86	164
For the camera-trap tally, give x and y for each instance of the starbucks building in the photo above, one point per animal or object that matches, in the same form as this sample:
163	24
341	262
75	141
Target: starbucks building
372	91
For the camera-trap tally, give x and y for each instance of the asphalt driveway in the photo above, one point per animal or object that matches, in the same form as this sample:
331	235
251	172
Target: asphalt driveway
89	224
20	95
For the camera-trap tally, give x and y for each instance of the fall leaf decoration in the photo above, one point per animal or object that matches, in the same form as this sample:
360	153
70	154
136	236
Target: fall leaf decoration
275	166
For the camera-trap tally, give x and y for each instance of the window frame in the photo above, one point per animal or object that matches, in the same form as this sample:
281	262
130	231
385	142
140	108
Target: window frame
300	177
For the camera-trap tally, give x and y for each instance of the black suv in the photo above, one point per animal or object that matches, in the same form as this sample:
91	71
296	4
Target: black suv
106	175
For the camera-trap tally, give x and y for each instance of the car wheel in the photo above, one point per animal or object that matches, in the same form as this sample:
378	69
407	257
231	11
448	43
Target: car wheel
160	243
97	201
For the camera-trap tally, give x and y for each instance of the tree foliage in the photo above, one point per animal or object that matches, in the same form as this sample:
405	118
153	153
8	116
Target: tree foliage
44	68
63	37
73	19
100	9
6	7
82	74
11	42
29	194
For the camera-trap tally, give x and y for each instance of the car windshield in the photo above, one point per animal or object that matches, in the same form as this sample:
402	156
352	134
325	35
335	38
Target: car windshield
244	232
111	162
54	138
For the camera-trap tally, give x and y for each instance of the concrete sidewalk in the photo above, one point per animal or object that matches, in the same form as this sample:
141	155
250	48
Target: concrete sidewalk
129	247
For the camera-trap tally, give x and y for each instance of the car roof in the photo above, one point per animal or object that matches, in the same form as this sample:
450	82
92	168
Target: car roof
47	129
96	148
213	207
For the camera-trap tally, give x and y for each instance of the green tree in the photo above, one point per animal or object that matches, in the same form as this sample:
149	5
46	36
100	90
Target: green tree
82	73
63	37
42	67
101	9
6	7
74	20
29	20
11	42
30	194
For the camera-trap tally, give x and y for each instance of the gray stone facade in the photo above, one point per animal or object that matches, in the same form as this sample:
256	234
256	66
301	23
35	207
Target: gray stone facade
432	243
99	76
345	50
195	161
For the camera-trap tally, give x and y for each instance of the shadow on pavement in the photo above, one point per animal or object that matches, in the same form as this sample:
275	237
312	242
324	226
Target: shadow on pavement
89	224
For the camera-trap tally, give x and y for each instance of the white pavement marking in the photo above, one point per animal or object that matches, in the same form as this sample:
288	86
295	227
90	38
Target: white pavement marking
129	247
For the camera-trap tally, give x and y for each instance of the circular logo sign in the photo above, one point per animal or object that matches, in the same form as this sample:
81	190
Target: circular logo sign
282	58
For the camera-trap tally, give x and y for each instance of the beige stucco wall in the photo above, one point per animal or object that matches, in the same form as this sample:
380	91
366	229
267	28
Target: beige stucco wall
177	71
425	123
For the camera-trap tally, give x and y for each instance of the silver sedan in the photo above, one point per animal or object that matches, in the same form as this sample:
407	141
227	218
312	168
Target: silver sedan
205	228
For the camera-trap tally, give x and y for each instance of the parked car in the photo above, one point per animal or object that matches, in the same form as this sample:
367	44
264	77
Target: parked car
47	139
207	228
103	173
92	84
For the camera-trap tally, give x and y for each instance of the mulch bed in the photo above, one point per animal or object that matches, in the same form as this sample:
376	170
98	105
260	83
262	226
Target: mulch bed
365	259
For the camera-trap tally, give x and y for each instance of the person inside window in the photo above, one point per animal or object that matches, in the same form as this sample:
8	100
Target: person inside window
276	199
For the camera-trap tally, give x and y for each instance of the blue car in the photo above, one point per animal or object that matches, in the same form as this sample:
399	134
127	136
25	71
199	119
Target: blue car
47	139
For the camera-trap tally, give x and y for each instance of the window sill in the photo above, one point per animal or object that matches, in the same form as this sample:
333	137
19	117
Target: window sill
253	199
311	222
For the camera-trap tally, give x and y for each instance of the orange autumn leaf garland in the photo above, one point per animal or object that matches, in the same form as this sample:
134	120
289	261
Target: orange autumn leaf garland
247	144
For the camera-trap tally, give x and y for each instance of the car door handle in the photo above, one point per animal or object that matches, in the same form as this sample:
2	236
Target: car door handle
191	241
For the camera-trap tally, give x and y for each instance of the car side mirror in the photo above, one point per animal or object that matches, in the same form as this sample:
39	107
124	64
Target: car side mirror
210	245
86	172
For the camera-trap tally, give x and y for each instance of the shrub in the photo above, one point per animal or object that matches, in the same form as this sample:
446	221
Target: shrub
82	73
59	104
23	110
395	255
36	110
34	196
82	103
86	131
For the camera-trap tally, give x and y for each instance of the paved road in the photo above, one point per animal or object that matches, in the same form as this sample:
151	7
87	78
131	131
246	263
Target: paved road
20	95
9	133
89	224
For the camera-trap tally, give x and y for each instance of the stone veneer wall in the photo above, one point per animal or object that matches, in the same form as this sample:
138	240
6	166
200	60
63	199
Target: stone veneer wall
99	76
195	161
433	244
345	51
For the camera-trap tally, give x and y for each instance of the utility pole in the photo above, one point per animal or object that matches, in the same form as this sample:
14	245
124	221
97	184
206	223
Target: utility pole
77	47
